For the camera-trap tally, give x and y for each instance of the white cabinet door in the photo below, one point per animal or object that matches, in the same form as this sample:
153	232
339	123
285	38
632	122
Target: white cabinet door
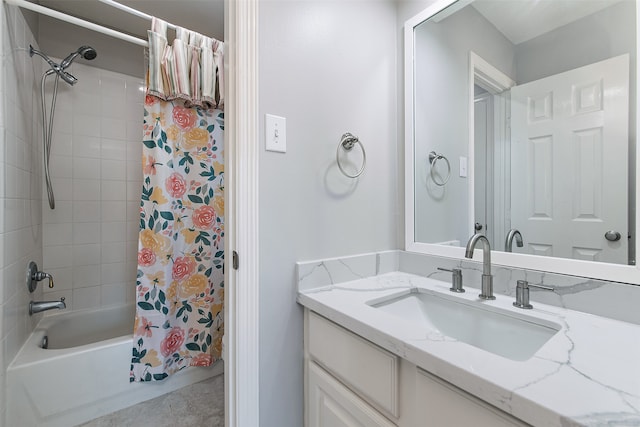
443	405
331	404
569	161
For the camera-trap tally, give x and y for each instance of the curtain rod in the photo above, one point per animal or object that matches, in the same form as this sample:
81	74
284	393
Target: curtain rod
82	23
132	11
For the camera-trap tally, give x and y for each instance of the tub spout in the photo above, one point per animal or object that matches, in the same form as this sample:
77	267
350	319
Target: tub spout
38	306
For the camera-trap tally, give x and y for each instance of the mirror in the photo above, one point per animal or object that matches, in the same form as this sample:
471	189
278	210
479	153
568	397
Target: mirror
521	115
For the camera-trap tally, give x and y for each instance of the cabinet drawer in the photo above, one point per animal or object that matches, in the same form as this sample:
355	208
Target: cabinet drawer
366	368
331	404
445	404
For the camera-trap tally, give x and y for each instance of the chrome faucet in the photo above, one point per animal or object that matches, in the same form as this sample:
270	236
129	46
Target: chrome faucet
38	306
508	243
487	278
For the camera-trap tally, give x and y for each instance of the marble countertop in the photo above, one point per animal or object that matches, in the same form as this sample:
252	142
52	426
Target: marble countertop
586	374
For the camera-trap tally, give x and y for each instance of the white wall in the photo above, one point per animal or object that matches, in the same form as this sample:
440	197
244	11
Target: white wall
406	9
442	118
329	67
20	185
90	239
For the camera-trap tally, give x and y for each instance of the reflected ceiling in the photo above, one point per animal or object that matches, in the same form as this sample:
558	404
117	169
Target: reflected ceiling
522	20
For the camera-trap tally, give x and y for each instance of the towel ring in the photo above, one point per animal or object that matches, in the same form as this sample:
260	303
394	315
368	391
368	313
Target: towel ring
347	142
433	158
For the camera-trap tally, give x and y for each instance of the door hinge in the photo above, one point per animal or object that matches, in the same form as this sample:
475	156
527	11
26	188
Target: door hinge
235	260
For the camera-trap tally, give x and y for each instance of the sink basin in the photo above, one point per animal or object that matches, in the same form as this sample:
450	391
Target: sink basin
514	336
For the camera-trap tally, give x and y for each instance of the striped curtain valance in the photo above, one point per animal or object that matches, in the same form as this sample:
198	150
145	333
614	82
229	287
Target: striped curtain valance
191	69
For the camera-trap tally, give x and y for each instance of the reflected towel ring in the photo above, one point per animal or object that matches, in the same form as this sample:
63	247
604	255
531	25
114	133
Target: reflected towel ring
433	158
347	142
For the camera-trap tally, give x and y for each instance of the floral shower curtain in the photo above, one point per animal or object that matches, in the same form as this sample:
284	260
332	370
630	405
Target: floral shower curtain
179	298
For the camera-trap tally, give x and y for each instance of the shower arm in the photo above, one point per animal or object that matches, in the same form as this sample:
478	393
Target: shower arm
53	65
56	68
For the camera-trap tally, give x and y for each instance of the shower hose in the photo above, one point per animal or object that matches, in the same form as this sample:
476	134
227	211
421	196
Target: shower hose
47	132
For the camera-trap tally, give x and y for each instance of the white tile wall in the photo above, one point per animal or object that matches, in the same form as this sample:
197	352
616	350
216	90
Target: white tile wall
21	234
91	237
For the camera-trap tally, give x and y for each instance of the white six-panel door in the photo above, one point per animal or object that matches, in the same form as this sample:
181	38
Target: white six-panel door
569	162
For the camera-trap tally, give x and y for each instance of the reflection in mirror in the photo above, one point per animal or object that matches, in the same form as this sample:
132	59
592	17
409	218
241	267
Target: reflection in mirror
529	101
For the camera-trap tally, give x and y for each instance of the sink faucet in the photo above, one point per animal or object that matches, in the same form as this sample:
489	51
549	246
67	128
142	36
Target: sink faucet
509	240
38	306
487	279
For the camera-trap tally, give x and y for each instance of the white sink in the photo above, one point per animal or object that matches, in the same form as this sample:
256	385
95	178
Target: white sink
514	336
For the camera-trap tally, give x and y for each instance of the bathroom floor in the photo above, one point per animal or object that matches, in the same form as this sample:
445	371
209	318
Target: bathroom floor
198	405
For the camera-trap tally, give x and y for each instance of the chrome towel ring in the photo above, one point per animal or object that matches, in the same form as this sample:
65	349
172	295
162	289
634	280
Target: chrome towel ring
347	142
433	159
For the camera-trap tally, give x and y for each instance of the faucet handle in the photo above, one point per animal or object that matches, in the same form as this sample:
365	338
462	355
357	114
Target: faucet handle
456	279
546	288
34	276
41	275
522	293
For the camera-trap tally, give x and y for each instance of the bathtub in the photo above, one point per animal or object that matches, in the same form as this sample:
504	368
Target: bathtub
84	372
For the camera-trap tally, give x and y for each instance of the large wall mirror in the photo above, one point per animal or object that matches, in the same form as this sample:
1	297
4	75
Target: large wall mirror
521	125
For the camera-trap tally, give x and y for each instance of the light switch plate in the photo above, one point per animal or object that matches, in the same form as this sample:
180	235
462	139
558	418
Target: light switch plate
275	133
463	167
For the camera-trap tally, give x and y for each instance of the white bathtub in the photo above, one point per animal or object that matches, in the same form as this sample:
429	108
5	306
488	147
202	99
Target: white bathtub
84	373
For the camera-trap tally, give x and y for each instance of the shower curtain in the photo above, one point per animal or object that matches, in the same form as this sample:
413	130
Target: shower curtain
180	283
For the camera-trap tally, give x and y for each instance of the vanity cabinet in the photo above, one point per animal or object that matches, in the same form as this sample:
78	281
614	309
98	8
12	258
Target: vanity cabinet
350	382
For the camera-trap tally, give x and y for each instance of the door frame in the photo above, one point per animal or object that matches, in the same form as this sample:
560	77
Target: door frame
489	229
494	81
242	297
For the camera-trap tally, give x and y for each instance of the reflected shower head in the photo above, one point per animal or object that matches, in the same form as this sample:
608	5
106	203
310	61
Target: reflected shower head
87	52
55	68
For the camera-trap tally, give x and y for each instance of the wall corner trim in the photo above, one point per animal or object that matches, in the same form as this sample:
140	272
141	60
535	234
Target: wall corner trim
241	169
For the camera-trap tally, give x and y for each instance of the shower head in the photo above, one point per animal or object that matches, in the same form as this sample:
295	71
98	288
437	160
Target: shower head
55	68
67	77
87	52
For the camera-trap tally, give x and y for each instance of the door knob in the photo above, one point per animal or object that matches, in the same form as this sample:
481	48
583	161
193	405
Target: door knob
612	236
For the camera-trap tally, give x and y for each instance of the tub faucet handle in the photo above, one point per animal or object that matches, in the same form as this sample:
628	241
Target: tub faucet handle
41	275
34	276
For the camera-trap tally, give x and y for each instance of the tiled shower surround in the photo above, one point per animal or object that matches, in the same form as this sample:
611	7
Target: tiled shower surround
20	185
90	239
